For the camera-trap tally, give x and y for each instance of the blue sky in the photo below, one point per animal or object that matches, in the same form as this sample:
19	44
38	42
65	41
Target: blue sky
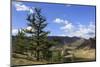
63	19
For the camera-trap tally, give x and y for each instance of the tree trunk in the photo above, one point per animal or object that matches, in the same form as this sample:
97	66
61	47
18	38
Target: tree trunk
37	55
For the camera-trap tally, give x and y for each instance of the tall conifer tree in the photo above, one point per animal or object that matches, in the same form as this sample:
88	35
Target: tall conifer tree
38	36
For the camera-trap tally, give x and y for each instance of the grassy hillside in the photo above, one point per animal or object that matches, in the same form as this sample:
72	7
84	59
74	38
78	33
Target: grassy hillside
76	51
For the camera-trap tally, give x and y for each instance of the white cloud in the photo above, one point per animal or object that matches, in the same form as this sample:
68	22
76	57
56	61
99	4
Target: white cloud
61	21
65	24
21	7
84	31
58	20
14	31
80	30
68	27
62	35
30	28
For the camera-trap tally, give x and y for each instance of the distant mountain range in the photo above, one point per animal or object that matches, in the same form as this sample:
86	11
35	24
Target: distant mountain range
75	41
71	41
90	43
64	40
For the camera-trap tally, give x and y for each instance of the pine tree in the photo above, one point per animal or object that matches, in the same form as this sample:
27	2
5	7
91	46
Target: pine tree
37	34
20	42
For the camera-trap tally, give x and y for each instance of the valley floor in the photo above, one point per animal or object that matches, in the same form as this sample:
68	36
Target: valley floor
80	55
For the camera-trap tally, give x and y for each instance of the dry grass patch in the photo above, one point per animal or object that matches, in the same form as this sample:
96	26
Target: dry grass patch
88	54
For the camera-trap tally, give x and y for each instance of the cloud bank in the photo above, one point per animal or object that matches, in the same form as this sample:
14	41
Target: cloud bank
22	7
79	30
15	31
